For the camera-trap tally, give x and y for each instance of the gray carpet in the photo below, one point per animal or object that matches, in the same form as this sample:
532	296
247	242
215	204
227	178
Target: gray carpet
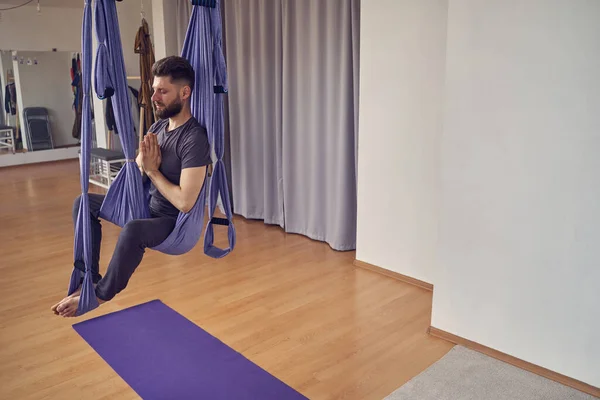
464	374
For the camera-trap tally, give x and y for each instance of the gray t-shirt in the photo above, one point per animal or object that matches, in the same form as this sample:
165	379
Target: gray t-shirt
184	147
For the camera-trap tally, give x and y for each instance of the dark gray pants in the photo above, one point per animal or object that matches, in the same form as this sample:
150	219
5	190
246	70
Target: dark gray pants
135	237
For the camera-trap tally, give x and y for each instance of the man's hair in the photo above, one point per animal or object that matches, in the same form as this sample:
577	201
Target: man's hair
175	67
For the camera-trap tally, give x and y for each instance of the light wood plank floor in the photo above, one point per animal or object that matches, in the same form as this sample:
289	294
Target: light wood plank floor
292	305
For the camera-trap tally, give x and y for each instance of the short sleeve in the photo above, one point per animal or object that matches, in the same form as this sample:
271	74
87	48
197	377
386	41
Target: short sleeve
157	126
195	151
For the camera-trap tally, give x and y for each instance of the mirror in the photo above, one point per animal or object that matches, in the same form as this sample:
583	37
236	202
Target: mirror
41	104
10	132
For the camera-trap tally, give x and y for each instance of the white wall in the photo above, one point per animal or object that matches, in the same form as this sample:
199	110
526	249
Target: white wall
401	85
22	29
129	23
166	25
60	27
40	156
510	178
520	215
48	84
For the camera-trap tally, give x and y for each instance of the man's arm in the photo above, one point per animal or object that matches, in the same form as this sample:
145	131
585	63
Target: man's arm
184	195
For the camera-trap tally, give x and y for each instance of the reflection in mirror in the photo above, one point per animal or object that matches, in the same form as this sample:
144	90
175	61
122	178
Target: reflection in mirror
10	133
41	101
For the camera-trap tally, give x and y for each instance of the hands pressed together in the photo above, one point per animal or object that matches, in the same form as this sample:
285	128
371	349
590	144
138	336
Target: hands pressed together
150	153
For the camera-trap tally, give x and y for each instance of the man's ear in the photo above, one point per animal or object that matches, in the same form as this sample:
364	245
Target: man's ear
187	91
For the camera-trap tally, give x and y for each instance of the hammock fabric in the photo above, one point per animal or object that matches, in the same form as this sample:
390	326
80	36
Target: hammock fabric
128	196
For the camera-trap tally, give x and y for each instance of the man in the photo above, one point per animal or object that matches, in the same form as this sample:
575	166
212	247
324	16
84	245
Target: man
174	155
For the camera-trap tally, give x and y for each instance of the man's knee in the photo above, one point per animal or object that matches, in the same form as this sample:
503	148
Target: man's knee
76	205
77	201
146	232
132	232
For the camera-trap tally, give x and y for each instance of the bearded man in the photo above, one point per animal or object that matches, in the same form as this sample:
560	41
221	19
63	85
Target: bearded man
174	155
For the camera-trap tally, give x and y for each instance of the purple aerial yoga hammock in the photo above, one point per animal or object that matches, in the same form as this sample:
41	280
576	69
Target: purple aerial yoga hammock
127	197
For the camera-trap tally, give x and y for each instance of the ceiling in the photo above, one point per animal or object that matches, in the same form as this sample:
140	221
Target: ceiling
44	3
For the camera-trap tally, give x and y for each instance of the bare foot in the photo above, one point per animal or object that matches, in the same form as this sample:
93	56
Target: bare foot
68	307
75	293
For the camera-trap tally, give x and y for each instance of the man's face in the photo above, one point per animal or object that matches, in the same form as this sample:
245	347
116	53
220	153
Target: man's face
167	97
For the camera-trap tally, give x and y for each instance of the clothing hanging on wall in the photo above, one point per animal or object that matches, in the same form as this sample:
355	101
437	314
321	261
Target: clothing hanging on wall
10	107
3	117
10	99
143	47
134	102
135	112
78	95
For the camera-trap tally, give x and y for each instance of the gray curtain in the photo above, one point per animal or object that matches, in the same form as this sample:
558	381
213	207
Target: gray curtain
183	11
293	107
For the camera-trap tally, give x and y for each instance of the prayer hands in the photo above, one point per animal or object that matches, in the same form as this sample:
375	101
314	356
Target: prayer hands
150	151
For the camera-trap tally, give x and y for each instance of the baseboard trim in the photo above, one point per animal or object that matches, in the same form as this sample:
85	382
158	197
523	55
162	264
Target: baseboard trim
395	275
536	369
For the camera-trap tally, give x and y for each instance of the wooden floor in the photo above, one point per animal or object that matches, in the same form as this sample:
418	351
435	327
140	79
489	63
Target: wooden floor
291	305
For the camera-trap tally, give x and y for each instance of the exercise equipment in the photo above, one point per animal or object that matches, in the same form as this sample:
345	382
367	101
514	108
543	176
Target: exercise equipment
163	355
127	197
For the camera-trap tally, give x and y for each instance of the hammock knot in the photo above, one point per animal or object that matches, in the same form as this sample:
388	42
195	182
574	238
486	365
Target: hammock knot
205	3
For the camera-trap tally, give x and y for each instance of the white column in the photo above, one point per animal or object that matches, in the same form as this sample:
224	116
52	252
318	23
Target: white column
164	22
20	115
158	22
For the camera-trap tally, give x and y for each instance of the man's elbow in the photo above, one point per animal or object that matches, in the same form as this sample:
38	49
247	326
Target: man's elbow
189	196
186	206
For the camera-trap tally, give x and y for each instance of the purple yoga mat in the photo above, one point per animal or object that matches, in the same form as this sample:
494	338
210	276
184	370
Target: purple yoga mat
163	355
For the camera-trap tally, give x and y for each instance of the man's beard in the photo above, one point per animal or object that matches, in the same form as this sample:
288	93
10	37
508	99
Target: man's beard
169	111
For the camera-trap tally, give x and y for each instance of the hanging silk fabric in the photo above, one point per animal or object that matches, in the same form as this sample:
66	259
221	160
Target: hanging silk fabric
128	197
208	60
82	247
